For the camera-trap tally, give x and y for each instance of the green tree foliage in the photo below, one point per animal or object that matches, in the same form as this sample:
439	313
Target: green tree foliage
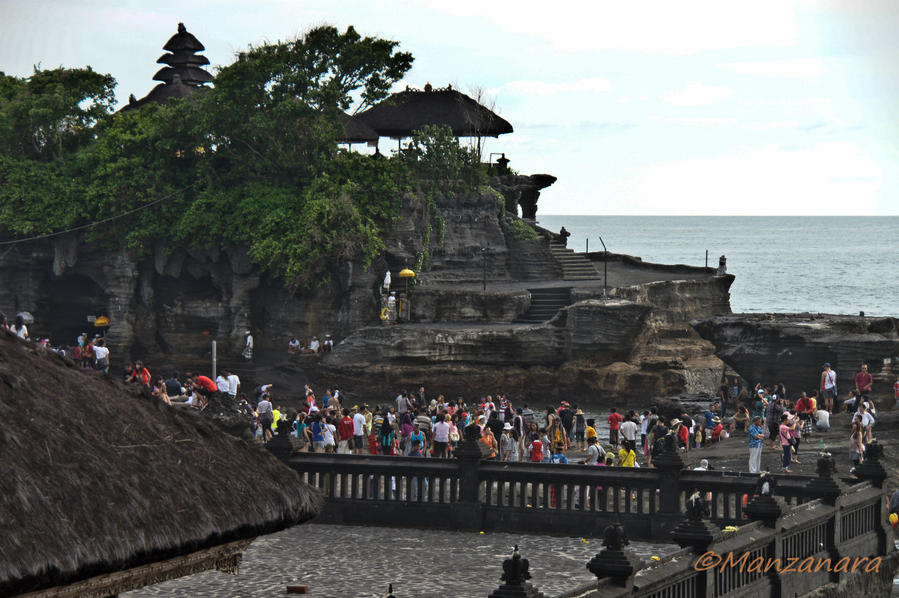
440	162
45	115
253	161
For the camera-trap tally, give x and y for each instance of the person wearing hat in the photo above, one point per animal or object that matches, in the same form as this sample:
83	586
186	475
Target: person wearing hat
828	387
248	346
683	434
358	443
508	444
756	436
327	344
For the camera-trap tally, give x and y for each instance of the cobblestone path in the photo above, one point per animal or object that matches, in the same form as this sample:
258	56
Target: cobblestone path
359	562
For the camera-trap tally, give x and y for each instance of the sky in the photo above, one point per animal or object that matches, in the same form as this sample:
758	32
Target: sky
703	107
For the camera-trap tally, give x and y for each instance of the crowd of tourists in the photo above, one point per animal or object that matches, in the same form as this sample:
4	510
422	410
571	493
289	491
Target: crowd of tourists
410	425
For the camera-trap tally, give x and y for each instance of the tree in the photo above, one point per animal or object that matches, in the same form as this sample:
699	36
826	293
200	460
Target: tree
276	107
52	111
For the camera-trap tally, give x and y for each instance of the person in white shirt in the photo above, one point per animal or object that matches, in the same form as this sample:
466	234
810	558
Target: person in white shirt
19	328
101	354
358	433
293	347
328	432
222	383
864	417
822	417
629	430
248	347
233	383
314	345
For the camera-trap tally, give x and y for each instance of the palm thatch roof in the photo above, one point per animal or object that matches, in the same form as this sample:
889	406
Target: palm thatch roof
354	130
98	479
410	110
183	41
164	92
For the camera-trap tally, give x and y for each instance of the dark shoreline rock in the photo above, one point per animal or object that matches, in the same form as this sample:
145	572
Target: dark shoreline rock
791	348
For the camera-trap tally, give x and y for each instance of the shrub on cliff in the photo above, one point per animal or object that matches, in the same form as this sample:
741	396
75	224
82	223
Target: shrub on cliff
521	231
253	161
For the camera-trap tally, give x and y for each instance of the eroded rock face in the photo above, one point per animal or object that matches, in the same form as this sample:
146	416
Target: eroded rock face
791	348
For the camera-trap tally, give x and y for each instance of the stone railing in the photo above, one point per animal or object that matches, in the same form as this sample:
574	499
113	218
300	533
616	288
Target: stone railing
836	545
840	540
470	493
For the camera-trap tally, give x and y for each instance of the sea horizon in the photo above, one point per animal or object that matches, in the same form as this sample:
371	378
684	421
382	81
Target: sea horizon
783	264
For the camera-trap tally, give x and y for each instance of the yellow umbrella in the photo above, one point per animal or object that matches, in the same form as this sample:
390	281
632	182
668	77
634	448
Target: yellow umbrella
101	322
407	274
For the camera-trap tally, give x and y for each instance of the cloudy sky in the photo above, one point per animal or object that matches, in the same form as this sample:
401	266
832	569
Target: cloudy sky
707	107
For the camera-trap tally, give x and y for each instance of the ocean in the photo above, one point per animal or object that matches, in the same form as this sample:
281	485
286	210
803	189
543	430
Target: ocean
837	265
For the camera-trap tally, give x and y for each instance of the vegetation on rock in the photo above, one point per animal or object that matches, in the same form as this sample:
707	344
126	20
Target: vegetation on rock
253	161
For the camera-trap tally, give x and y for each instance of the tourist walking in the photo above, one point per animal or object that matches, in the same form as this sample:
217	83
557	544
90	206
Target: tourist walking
756	436
265	413
828	387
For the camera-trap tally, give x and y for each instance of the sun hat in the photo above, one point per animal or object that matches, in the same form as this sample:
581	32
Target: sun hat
674	422
716	420
507	426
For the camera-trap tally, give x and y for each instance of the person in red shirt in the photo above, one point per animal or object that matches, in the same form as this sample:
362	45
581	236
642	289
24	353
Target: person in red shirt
139	374
205	386
863	382
536	451
345	432
614	424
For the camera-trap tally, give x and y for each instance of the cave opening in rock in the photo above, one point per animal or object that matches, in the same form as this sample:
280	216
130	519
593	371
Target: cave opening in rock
64	305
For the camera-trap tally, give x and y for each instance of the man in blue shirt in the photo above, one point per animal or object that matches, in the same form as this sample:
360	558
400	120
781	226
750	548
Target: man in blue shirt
756	435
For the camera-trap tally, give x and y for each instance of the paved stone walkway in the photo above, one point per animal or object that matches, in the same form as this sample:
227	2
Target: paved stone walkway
359	562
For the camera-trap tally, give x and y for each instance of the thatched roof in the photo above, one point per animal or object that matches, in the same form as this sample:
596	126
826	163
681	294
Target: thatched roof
354	130
97	478
182	58
188	74
164	92
407	111
183	41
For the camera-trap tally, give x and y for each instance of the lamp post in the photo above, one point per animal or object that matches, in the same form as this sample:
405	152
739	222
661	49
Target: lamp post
406	274
605	269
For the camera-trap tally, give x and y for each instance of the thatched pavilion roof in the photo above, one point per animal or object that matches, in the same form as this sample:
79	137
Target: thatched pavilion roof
354	130
407	111
97	479
164	92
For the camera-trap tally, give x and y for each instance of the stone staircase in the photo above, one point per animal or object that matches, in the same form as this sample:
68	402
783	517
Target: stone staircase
546	303
575	266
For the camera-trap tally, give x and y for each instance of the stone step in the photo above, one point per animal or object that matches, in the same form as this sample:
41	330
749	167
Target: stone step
545	304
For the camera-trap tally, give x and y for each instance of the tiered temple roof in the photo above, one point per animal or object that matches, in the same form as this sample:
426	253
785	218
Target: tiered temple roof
182	76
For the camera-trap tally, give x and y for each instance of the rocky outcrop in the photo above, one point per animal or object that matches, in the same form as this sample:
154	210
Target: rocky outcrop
791	348
602	331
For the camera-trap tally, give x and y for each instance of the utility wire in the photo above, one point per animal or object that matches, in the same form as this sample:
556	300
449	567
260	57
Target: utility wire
99	222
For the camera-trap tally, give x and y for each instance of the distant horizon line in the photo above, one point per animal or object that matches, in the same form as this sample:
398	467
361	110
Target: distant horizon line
721	216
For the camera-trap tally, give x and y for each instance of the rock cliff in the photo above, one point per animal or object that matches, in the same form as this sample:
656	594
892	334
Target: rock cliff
791	348
167	306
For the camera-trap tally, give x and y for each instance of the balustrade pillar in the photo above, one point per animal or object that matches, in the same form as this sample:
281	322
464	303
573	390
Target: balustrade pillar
467	513
669	465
